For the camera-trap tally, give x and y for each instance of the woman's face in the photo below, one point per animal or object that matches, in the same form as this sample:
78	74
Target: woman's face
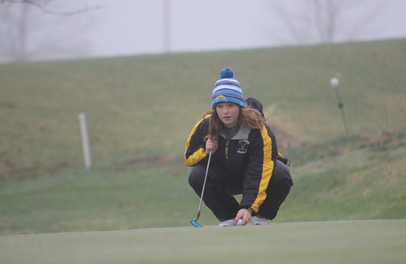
228	114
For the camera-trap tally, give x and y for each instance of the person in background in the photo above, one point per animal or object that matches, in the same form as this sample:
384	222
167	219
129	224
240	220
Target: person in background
256	104
244	159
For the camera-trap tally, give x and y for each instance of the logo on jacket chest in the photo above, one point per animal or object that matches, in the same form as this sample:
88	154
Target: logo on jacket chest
243	146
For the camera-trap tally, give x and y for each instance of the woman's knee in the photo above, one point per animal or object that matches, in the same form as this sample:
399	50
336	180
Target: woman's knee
281	174
196	177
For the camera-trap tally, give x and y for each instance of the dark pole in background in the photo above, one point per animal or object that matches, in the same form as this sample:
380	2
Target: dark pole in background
334	82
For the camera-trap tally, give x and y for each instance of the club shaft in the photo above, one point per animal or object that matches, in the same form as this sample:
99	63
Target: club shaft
204	185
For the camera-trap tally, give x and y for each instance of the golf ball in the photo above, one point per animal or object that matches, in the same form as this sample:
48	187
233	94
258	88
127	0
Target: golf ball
239	222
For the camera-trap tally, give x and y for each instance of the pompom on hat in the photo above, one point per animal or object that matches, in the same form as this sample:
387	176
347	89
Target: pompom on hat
227	90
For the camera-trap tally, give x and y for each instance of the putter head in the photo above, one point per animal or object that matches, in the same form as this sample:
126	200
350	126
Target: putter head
195	224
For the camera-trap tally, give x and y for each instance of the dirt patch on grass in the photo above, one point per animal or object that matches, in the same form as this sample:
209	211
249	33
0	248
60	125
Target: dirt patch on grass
157	160
153	160
284	138
385	141
10	169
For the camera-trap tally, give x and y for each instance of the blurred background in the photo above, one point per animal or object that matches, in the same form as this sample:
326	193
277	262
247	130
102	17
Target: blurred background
32	30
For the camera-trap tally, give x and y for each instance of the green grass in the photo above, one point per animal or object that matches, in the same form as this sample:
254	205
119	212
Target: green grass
349	179
133	103
361	242
103	199
344	184
140	111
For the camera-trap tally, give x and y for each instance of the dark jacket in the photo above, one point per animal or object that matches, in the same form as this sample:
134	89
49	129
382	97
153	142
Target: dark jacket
250	153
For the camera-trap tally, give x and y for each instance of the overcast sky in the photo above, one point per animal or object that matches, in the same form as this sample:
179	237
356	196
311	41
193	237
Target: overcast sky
133	27
128	27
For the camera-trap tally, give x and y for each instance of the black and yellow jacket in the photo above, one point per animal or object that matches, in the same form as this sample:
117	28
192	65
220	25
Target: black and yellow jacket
250	152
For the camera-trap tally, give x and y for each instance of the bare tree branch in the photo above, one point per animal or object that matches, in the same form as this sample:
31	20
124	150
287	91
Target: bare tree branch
324	19
28	34
43	6
380	6
295	21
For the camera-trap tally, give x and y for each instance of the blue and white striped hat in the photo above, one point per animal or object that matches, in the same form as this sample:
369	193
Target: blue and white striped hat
227	90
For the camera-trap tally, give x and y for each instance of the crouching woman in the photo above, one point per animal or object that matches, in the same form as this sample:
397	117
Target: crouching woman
244	159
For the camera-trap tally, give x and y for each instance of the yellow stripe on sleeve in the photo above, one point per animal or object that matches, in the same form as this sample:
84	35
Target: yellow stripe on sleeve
196	157
199	154
267	169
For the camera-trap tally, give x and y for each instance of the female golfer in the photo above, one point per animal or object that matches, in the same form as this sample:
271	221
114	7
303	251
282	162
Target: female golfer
244	159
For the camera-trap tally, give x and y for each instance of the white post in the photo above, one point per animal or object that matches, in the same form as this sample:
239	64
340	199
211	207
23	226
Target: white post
85	140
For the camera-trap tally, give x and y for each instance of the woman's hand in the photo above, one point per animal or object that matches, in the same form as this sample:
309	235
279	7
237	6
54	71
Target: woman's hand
211	144
243	214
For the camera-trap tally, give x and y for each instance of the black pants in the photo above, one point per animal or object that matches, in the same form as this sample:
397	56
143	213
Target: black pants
221	186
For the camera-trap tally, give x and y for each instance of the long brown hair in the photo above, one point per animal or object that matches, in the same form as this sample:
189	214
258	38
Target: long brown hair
251	119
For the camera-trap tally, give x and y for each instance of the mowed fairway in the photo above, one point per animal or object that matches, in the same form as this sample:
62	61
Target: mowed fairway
372	241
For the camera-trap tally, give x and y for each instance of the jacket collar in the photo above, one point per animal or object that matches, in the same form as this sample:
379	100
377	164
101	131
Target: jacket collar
242	133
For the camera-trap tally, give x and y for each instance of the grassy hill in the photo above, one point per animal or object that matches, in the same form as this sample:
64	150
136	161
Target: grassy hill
141	109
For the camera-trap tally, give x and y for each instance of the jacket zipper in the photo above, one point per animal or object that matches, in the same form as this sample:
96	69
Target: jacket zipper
227	149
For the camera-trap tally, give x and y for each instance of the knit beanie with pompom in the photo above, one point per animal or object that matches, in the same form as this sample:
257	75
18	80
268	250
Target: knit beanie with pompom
227	90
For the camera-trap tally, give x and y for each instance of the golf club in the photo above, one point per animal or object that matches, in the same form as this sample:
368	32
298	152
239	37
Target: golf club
193	222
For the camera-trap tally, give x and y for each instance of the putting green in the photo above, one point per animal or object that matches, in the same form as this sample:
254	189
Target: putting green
373	241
